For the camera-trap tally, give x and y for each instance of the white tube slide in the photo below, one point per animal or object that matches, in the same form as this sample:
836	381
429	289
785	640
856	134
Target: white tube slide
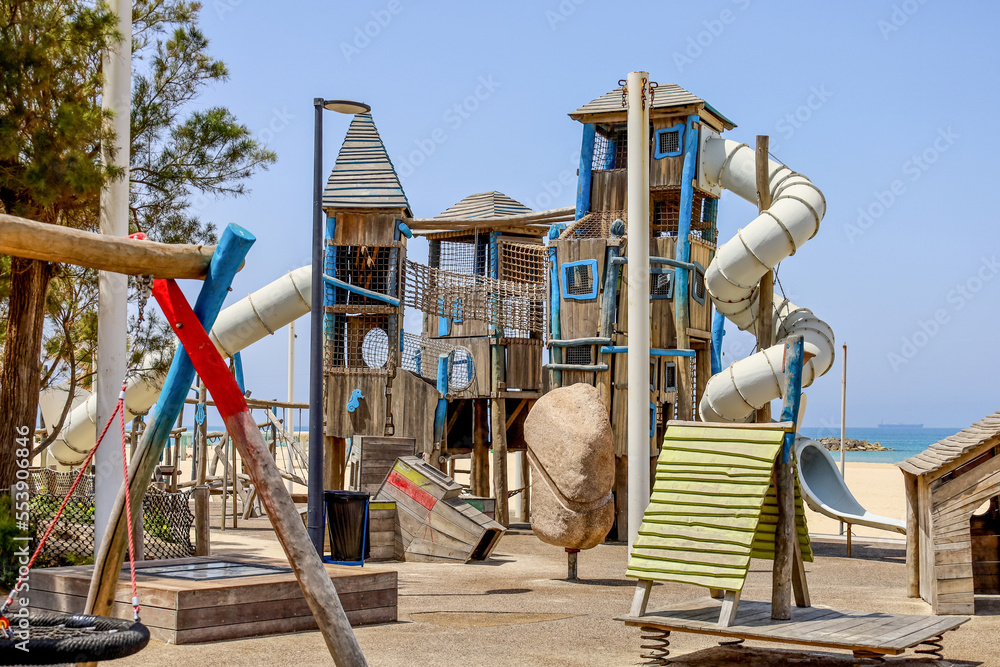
261	313
733	278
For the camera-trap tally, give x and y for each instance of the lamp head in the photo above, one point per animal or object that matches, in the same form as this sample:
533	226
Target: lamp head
346	106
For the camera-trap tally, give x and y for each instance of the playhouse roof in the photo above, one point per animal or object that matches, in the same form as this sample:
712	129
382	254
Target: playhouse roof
943	453
667	96
484	205
364	176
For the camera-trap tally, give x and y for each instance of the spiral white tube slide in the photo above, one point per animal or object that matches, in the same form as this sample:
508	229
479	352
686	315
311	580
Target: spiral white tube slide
245	322
734	275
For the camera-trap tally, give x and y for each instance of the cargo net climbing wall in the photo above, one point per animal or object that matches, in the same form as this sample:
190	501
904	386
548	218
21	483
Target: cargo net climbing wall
166	519
459	283
420	355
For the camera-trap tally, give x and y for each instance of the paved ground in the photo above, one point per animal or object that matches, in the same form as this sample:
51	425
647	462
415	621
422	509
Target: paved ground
517	609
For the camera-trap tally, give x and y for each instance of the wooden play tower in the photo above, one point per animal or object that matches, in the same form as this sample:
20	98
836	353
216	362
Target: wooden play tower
588	332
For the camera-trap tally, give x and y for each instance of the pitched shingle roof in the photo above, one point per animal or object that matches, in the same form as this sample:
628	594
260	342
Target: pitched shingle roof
666	96
485	205
364	176
955	446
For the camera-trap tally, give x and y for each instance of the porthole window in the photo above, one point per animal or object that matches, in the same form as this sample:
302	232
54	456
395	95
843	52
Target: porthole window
669	142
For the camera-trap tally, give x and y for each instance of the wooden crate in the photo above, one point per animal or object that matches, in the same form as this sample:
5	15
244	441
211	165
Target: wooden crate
378	454
382	530
186	611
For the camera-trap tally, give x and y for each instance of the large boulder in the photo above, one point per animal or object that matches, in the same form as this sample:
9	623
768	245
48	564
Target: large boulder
573	464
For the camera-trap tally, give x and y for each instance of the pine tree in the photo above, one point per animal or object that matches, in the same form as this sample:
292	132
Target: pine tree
179	156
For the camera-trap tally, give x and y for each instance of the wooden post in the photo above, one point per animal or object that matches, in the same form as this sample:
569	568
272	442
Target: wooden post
912	536
479	473
526	488
730	605
640	598
621	497
765	290
236	473
317	588
202	530
498	419
335	462
225	482
786	534
229	256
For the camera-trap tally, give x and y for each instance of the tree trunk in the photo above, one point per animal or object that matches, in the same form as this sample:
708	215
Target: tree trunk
19	376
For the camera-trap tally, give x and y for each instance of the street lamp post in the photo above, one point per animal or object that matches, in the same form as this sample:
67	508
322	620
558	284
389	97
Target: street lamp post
315	512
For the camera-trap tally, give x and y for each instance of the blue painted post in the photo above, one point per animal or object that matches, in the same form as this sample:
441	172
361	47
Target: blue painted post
786	536
586	170
718	332
226	261
441	411
682	253
555	328
238	368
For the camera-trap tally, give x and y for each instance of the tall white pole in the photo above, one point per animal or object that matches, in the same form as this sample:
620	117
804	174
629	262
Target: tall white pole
843	419
290	412
638	301
112	309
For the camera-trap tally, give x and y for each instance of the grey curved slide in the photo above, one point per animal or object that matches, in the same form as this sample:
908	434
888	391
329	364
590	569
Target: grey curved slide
825	491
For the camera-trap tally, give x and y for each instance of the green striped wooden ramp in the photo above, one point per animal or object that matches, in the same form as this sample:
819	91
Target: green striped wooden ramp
713	507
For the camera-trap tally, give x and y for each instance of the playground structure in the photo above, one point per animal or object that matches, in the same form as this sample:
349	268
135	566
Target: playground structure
953	518
493	297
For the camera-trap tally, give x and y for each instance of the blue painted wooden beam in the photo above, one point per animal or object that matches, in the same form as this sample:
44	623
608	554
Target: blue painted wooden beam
441	410
361	291
718	331
653	352
555	328
794	354
586	170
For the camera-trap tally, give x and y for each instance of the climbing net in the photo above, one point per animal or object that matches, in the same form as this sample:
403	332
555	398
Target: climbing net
522	262
594	225
166	518
420	356
505	304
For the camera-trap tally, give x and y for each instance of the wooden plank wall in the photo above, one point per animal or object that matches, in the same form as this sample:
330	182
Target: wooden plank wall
413	402
948	560
524	364
357	227
579	318
368	418
609	190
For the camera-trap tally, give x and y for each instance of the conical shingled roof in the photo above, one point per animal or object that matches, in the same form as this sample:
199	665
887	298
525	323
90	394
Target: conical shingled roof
485	205
364	176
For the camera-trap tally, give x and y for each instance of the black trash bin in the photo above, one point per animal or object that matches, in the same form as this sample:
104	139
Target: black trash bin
347	515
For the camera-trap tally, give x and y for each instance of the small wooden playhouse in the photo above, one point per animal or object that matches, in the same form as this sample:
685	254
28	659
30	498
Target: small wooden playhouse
953	518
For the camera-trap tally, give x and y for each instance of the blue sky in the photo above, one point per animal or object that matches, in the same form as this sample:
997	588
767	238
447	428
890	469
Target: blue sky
880	103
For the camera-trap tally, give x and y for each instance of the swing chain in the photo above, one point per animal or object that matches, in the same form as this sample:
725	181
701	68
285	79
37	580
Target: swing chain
145	287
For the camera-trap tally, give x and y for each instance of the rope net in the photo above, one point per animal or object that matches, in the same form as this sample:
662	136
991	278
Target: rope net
506	304
420	356
522	262
166	518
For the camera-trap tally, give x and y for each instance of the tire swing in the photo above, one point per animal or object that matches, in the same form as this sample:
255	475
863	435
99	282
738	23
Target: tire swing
53	638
